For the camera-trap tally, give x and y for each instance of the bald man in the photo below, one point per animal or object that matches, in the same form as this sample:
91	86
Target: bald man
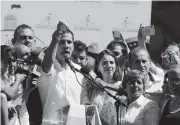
139	59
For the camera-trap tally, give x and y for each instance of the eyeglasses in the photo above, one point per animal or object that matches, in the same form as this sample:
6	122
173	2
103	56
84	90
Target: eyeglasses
117	53
25	37
168	54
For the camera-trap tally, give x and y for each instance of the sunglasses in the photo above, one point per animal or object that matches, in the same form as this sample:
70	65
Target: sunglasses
117	53
25	37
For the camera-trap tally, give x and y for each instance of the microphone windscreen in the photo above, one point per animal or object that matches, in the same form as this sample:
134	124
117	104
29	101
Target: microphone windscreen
36	51
68	61
22	51
35	59
85	70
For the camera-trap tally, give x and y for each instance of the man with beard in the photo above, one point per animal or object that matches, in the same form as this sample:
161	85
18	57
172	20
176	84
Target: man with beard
79	55
59	85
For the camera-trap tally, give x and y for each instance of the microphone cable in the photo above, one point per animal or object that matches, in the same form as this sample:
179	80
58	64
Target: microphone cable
40	40
86	79
78	80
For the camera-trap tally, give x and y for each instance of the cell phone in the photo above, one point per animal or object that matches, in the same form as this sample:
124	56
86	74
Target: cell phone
148	31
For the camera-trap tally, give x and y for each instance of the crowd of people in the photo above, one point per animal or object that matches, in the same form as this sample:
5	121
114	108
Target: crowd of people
49	80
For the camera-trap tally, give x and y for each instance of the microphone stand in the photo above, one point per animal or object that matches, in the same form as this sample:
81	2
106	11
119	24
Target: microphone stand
117	102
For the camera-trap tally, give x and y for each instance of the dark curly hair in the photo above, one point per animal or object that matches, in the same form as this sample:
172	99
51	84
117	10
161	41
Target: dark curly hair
112	44
80	46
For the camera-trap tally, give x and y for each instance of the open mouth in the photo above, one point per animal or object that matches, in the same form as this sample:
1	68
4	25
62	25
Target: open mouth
65	53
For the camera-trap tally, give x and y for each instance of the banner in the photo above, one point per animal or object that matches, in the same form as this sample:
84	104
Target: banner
91	21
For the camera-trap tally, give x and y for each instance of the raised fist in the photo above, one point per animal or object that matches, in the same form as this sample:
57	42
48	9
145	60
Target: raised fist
62	28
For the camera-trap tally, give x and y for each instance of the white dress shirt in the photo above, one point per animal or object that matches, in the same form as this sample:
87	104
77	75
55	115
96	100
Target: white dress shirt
58	89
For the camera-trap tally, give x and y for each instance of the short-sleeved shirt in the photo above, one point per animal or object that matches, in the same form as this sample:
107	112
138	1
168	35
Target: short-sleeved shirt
58	89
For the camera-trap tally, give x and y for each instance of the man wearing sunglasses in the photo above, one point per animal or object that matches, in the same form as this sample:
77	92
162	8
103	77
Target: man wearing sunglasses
24	43
24	35
59	85
170	56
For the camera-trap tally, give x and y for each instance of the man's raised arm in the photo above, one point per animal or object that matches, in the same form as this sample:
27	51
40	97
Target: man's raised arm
50	54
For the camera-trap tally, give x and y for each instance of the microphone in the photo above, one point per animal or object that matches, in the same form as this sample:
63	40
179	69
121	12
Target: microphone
37	55
31	66
22	51
89	72
67	60
86	72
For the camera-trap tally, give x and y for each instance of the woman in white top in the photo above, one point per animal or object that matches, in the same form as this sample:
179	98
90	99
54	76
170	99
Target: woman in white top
141	110
107	70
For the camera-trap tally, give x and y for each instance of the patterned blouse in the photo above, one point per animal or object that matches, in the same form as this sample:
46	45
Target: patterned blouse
105	103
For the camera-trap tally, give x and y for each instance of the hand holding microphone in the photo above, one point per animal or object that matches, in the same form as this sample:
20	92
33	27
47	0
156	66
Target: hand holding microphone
20	77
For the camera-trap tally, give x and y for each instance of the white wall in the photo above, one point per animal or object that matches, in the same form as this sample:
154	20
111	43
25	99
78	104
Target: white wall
104	17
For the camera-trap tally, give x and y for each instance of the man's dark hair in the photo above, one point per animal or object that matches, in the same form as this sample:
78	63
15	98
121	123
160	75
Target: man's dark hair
72	34
79	46
20	28
112	44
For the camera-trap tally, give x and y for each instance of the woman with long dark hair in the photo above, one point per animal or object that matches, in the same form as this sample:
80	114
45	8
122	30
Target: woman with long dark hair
107	70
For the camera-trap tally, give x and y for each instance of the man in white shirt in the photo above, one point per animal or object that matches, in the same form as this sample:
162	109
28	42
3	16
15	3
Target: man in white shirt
59	85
